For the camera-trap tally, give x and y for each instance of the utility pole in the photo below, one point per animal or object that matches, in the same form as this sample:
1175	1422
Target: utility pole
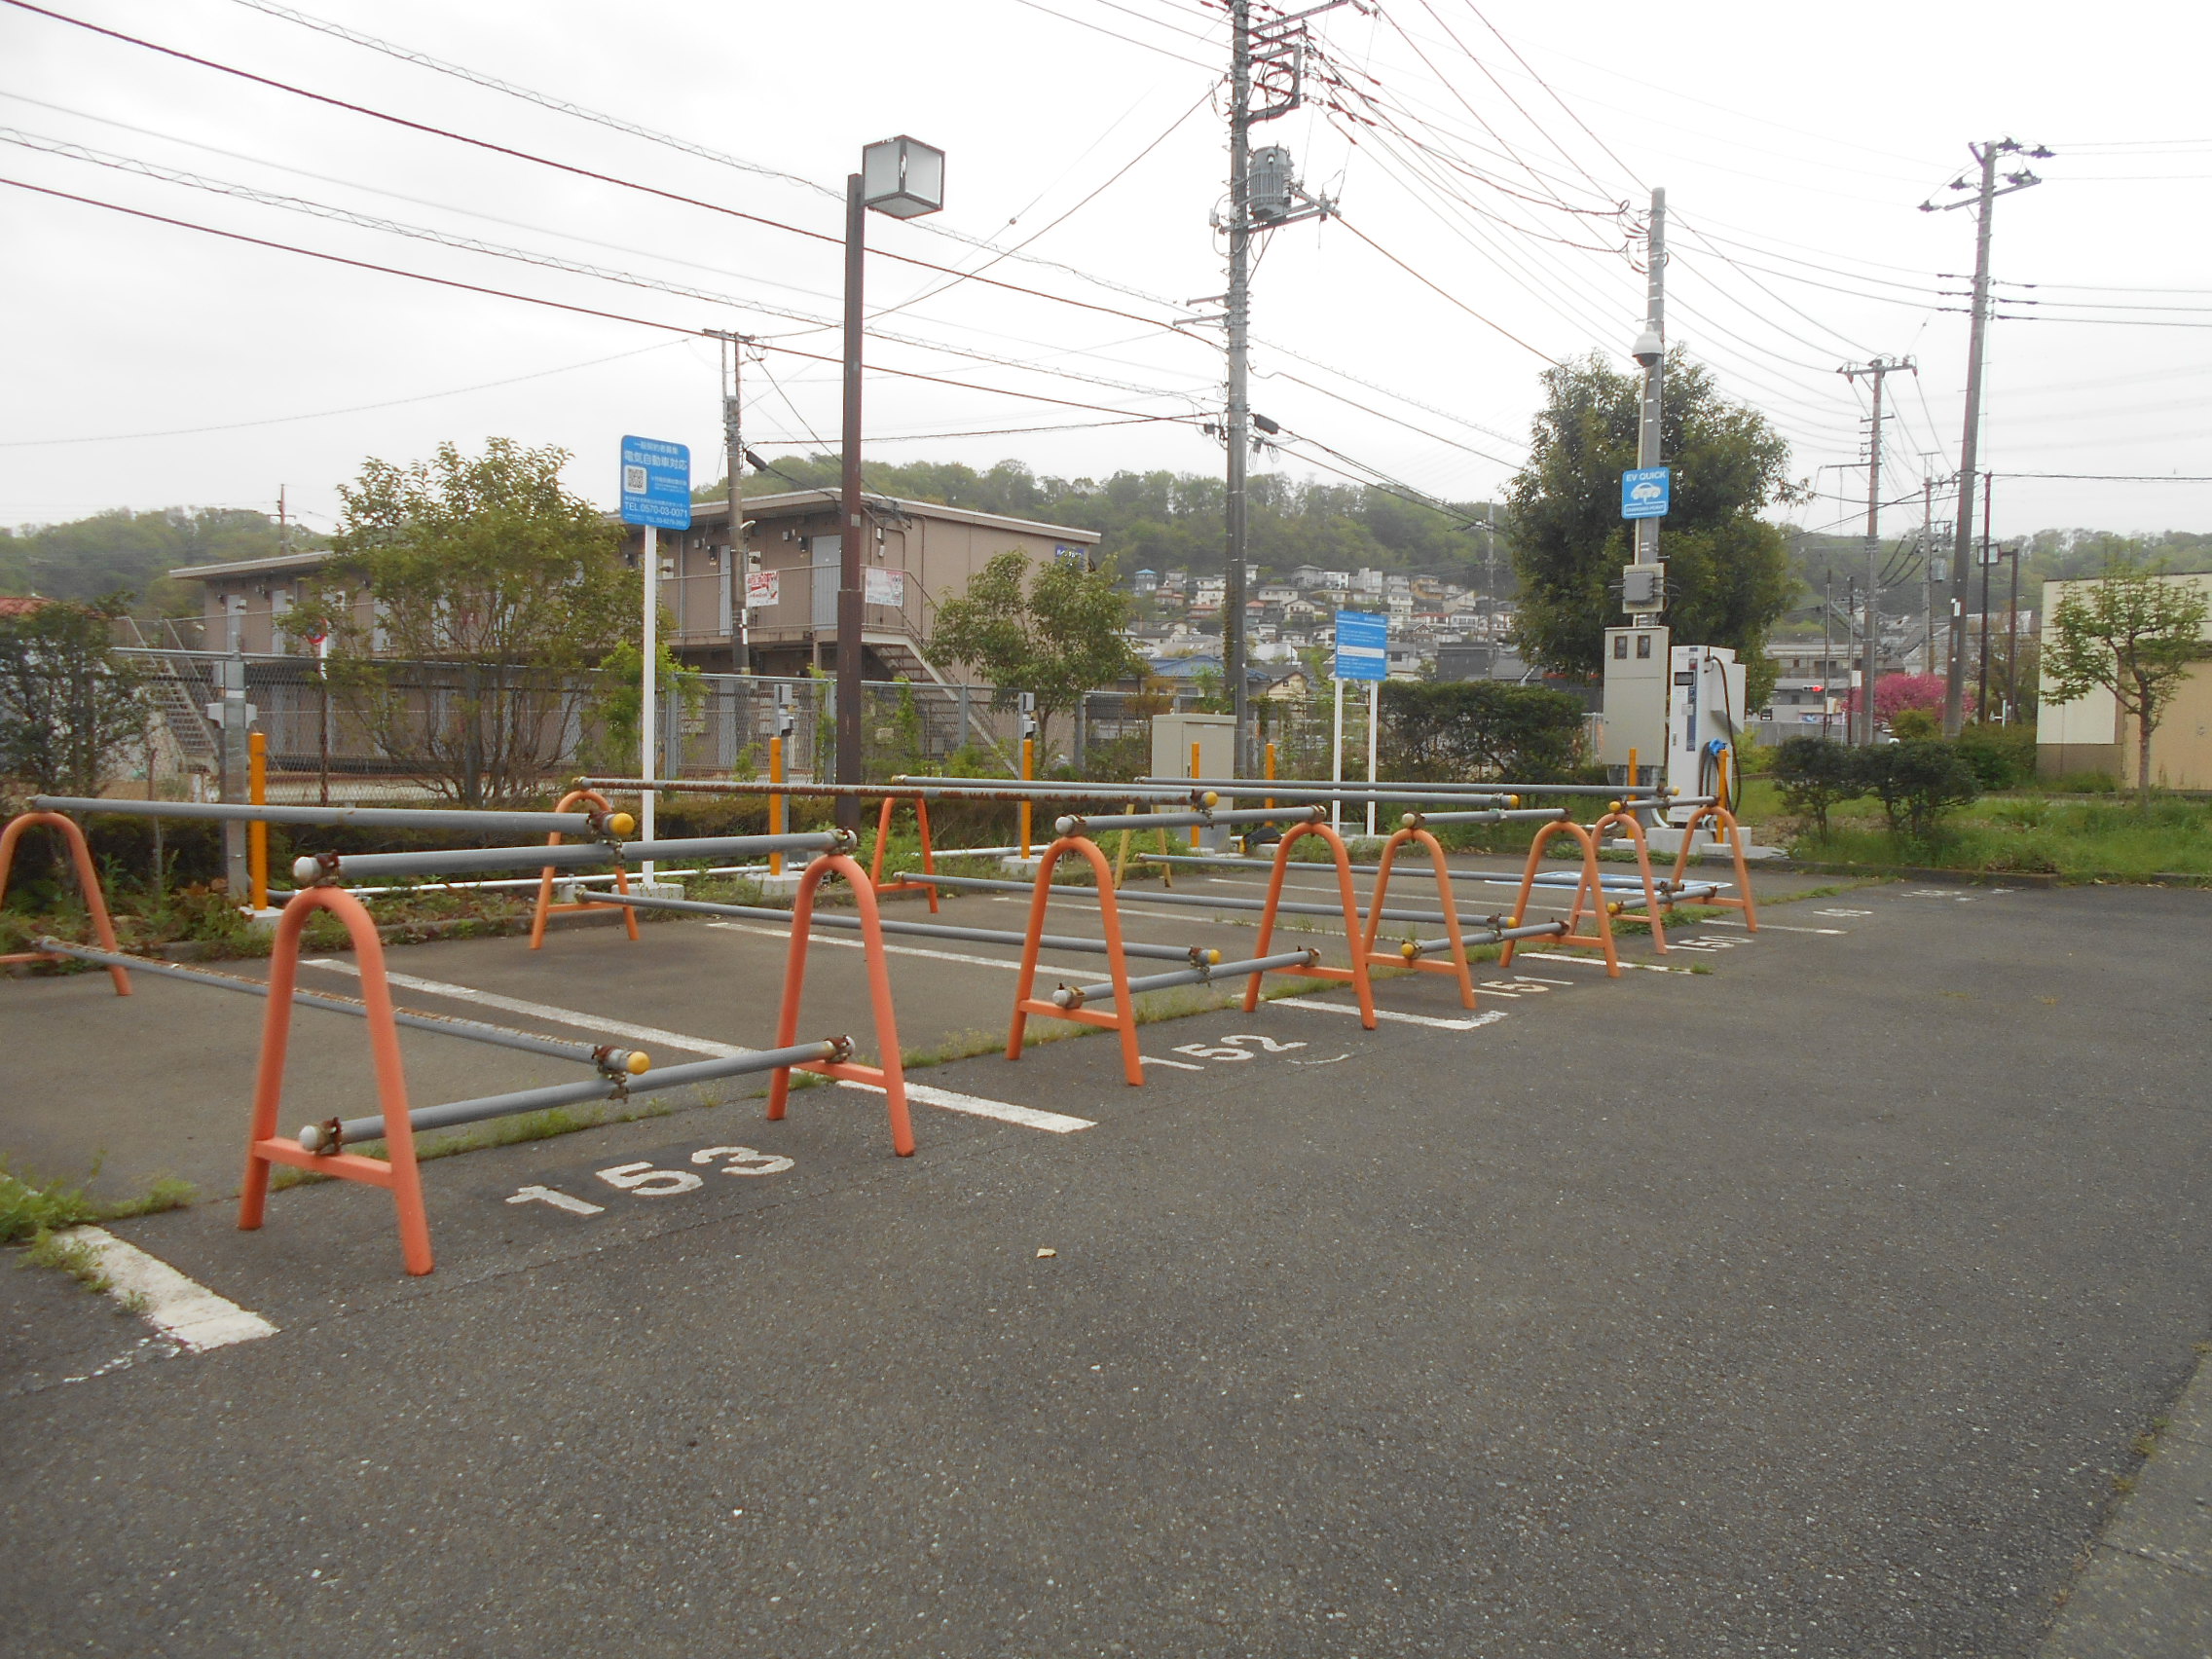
735	559
1982	697
1650	351
1982	201
1872	664
2012	641
1260	198
1828	645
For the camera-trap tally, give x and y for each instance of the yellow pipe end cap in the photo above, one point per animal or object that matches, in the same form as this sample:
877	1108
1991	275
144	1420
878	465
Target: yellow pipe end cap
1612	807
1512	800
1213	958
1409	950
622	823
640	1062
1212	800
1512	921
1615	907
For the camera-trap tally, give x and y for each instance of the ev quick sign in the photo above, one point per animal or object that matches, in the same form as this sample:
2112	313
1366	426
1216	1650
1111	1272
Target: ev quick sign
1363	645
656	483
1645	491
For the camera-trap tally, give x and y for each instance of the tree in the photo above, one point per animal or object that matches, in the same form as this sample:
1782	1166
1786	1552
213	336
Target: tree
2134	631
68	705
483	562
1059	638
1813	774
1917	782
1728	571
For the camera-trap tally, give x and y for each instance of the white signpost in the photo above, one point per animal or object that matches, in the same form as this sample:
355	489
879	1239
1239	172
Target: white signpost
656	492
1363	653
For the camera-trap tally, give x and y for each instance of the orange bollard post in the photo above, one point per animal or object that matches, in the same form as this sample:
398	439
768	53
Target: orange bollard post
1357	974
1028	768
257	833
266	1147
1123	1019
776	802
890	1075
1623	816
546	905
1457	966
928	857
1589	886
1724	822
88	883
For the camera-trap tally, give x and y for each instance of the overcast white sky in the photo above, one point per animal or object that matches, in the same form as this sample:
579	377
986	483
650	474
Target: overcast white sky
1796	144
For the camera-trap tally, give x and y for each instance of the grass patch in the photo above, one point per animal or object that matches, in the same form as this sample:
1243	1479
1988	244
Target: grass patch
2075	838
72	1256
28	1211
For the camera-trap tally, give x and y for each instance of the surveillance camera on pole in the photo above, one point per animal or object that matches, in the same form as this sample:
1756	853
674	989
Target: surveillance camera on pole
1648	349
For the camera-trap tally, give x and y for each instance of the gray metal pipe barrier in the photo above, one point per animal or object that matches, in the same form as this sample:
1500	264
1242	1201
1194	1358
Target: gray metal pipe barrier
1075	996
929	789
1197	901
1492	935
1425	791
630	1062
334	1135
1079	825
339	817
912	930
314	868
1496	814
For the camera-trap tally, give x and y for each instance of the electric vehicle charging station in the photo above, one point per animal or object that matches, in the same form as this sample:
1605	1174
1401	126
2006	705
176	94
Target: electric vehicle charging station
1705	711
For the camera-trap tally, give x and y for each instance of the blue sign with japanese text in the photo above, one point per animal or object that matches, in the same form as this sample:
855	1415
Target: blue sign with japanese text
656	483
1645	491
1363	645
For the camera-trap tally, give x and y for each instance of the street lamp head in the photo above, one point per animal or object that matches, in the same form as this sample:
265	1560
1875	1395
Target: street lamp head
902	178
1648	348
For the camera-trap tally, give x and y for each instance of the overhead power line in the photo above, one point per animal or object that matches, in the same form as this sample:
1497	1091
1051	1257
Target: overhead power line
538	300
1171	326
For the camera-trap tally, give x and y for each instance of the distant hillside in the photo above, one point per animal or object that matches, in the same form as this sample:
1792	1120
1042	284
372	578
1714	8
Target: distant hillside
1173	520
91	556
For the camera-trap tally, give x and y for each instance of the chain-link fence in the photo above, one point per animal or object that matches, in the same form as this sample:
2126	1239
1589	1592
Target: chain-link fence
357	730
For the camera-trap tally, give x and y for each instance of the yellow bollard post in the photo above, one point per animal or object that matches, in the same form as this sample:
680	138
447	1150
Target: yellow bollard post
775	801
1195	772
1029	771
1271	774
257	833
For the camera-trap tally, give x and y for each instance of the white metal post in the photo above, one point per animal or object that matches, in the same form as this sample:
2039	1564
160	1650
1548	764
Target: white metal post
1374	704
647	688
1337	764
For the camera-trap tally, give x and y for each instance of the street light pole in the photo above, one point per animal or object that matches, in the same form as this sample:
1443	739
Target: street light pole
850	514
903	178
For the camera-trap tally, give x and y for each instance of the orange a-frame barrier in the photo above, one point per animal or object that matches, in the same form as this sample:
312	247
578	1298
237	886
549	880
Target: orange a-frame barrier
1589	897
1619	817
87	882
1123	1019
546	905
1457	966
266	1147
1725	819
890	1075
1357	974
929	856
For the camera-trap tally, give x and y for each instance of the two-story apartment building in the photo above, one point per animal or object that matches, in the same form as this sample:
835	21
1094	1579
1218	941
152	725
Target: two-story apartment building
916	556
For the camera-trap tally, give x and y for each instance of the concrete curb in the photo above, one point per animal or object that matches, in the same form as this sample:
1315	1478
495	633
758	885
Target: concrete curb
2146	1590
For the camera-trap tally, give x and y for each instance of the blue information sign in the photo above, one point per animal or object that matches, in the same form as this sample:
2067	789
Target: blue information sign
1363	645
656	483
1645	491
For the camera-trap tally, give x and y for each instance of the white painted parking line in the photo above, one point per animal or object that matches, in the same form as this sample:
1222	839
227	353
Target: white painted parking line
1766	927
1006	1112
1172	1065
1594	961
1470	1023
180	1308
546	1011
902	949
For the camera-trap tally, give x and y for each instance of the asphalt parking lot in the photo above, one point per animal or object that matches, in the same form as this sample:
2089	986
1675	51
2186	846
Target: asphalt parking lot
1809	1303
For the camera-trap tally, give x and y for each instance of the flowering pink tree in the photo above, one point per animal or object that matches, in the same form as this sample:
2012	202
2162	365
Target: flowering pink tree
1894	693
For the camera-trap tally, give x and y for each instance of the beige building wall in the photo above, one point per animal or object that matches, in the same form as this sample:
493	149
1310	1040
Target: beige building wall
2089	734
